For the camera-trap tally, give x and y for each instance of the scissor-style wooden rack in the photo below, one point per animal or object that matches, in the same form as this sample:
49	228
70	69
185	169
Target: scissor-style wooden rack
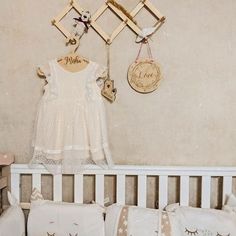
109	4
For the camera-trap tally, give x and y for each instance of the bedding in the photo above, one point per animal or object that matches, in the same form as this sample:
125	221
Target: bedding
135	221
49	218
175	221
230	205
201	222
12	221
231	201
64	219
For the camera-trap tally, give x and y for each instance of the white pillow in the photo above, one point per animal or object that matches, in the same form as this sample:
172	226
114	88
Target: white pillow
12	221
172	207
230	205
131	220
65	219
201	222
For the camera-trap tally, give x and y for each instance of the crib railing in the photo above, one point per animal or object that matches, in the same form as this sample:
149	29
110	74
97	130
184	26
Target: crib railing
121	171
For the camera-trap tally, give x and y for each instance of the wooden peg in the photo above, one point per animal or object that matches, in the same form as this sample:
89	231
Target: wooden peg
163	19
108	41
53	22
71	2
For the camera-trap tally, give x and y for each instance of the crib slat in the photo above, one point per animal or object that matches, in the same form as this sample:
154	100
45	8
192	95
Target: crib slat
163	191
142	190
79	188
184	190
206	192
99	189
227	187
120	189
36	181
15	185
57	187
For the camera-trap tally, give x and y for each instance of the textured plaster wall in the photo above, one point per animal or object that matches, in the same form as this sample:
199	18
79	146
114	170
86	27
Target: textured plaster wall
189	120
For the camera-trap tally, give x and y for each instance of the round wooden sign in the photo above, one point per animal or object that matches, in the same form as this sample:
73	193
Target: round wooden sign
144	75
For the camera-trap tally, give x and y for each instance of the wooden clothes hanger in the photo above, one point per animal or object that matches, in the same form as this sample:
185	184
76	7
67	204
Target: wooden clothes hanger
73	62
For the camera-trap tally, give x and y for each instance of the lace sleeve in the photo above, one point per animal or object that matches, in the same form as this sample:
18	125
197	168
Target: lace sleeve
52	83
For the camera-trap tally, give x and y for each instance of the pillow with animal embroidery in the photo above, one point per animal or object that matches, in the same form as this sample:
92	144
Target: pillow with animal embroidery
12	221
48	218
201	222
135	221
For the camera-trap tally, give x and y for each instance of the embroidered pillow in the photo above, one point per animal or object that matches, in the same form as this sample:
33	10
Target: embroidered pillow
135	221
201	222
64	219
12	221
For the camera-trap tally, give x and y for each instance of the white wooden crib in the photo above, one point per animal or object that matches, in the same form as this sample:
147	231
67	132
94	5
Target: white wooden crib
121	171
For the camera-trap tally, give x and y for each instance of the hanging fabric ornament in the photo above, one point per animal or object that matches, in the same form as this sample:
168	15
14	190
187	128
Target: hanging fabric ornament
144	75
84	21
108	90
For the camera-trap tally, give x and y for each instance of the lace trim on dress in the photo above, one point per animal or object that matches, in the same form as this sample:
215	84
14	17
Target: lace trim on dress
60	166
52	83
66	148
71	161
99	72
41	157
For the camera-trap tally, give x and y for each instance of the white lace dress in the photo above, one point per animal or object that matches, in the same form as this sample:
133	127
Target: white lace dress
70	128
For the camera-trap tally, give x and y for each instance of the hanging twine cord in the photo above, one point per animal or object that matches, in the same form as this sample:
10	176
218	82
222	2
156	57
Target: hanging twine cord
108	60
149	51
139	52
121	8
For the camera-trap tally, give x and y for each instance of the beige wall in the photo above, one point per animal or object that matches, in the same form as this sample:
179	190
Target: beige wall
189	120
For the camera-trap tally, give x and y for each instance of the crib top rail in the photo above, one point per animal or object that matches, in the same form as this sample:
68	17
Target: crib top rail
142	172
136	170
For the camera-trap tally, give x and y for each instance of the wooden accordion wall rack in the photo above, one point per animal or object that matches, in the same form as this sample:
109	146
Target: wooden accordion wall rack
127	18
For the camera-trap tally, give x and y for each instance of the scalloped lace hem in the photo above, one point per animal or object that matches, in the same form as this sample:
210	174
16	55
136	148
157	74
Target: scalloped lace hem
70	162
